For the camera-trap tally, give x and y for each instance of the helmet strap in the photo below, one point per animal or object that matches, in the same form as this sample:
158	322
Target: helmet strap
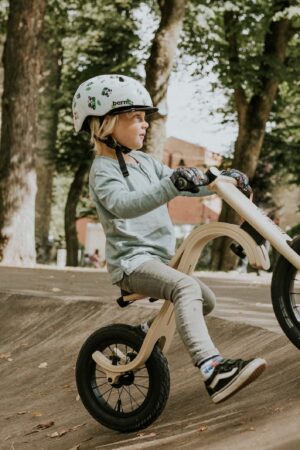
119	149
122	162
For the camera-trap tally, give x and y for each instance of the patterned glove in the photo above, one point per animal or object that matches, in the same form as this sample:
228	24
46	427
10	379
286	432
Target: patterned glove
241	179
188	179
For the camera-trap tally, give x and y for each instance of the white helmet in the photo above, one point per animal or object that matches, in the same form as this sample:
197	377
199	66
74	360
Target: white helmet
109	94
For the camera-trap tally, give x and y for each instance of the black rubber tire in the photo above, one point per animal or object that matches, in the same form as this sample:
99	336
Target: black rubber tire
156	368
282	296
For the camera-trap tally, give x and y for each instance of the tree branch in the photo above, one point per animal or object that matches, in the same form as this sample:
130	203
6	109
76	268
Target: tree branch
273	59
160	62
230	21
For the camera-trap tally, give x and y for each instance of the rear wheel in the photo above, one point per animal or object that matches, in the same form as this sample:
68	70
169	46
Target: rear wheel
285	290
138	397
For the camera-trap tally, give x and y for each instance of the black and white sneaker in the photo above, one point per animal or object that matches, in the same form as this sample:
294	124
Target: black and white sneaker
231	375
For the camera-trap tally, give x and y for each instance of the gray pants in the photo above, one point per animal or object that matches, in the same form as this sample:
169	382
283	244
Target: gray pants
191	299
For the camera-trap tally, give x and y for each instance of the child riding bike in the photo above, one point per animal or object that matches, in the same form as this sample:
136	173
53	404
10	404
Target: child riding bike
130	190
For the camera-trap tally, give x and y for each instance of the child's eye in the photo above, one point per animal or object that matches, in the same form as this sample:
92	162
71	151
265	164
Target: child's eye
139	118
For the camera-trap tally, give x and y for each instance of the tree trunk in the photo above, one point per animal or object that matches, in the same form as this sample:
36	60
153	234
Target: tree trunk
252	119
18	132
51	57
70	214
158	70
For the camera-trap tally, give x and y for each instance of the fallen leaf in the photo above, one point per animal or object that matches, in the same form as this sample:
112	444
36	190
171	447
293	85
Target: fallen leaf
76	447
21	412
145	435
59	433
77	398
55	290
36	414
53	435
78	426
203	428
43	365
6	356
251	429
44	425
64	431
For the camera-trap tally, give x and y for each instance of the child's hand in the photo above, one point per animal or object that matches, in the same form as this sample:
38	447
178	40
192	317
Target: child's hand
241	179
188	179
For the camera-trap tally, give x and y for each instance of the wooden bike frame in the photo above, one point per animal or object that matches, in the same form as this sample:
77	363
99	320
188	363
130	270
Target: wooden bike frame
163	327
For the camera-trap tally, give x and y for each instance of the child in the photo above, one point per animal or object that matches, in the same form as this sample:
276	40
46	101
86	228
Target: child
130	190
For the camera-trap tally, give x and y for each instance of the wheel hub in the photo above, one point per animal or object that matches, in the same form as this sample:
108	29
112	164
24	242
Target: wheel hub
124	380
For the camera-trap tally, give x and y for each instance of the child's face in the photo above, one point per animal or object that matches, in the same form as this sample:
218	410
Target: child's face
130	129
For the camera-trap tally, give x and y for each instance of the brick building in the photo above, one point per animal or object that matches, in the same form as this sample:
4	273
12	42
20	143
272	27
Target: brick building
186	212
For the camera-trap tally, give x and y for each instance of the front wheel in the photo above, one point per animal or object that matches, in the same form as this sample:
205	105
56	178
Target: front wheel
138	397
285	290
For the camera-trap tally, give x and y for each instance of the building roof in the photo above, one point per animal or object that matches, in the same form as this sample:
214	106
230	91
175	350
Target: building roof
182	153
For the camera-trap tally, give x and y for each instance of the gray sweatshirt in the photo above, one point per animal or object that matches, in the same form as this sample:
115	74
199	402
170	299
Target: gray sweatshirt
133	211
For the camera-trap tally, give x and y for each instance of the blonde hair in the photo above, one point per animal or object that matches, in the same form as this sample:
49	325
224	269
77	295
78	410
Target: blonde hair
101	129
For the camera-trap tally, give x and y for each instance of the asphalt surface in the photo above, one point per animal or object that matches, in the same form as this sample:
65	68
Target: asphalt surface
46	314
240	298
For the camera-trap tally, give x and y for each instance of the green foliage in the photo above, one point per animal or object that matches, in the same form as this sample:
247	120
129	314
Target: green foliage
55	22
101	37
280	156
4	6
294	231
97	37
230	39
209	29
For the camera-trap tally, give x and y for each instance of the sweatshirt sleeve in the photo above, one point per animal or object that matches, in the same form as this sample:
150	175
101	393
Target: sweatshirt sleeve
114	195
204	191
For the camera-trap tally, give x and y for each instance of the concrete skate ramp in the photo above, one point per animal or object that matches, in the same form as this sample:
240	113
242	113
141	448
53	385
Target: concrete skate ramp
40	340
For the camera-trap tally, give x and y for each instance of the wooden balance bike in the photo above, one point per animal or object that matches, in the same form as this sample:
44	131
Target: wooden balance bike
122	374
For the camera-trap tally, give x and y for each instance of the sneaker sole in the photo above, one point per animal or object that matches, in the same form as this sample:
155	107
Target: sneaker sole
249	374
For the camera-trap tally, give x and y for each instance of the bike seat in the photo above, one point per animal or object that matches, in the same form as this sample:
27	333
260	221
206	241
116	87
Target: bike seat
123	303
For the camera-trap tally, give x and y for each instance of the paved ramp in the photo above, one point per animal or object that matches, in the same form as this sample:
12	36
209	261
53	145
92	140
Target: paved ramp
40	339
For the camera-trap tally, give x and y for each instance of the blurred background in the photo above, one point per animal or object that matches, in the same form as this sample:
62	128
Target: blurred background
226	77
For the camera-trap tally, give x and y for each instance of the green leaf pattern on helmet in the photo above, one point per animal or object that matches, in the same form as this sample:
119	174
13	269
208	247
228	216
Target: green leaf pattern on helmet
106	91
106	94
92	102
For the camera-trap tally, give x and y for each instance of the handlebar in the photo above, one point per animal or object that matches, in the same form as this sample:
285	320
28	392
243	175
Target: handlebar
207	178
